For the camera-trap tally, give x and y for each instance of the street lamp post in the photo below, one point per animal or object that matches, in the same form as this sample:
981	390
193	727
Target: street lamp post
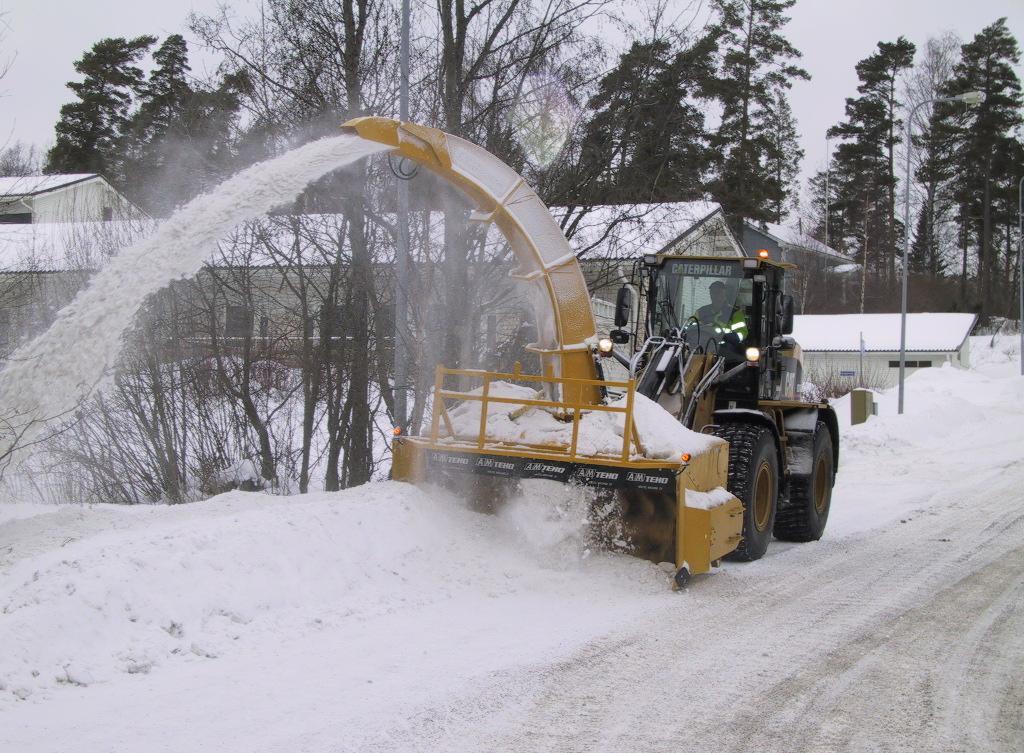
402	246
968	98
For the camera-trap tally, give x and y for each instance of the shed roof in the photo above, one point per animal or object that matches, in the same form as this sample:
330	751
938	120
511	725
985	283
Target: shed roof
926	332
30	185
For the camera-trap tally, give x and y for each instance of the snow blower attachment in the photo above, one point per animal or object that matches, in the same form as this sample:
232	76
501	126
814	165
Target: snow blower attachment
672	508
709	405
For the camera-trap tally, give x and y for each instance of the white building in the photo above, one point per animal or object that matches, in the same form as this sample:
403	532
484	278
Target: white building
832	346
55	230
76	197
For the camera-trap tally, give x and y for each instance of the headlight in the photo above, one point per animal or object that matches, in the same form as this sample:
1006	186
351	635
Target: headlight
753	355
605	345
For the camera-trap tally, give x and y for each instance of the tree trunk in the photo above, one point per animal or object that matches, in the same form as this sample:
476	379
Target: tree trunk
358	451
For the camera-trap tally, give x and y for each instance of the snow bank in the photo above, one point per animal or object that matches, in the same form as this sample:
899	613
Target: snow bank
995	350
600	432
174	586
955	422
21	510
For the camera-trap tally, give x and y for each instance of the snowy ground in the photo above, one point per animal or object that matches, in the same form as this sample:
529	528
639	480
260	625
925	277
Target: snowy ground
392	619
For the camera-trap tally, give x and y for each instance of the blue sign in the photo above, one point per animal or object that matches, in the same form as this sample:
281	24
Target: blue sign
847	373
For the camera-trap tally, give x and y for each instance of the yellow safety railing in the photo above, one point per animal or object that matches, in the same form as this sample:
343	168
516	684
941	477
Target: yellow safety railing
630	437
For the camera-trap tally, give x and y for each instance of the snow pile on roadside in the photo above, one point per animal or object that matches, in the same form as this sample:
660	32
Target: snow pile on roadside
177	585
994	350
954	419
600	432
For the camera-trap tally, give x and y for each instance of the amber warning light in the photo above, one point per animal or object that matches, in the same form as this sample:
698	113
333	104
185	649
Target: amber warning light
397	431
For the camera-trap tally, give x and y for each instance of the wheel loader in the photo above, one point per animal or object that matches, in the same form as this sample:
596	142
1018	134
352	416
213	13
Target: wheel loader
711	346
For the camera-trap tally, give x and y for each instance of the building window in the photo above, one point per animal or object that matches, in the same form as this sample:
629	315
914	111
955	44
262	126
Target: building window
911	364
108	214
16	218
238	322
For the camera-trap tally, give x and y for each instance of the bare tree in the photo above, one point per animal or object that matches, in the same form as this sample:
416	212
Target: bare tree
20	159
313	64
6	58
925	82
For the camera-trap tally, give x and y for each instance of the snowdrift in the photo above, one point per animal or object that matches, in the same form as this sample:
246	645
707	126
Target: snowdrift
143	589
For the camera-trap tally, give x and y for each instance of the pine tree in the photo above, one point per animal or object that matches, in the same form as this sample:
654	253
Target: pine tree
782	156
166	95
176	141
925	251
89	129
981	143
864	174
756	65
646	141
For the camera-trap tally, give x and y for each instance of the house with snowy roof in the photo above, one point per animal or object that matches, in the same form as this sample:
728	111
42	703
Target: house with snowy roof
54	231
850	350
609	240
74	197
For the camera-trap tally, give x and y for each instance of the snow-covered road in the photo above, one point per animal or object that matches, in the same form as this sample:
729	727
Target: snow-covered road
389	619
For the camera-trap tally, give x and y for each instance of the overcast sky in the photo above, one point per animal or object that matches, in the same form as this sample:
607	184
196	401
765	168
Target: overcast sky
48	35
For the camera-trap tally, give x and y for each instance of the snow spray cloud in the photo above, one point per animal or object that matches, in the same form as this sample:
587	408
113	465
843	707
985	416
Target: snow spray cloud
52	374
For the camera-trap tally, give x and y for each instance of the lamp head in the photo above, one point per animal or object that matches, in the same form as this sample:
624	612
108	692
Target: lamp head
970	98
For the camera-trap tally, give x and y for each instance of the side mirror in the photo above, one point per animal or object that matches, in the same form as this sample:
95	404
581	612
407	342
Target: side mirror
619	336
787	315
623	306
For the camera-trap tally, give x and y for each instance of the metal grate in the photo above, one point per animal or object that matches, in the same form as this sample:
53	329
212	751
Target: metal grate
573	408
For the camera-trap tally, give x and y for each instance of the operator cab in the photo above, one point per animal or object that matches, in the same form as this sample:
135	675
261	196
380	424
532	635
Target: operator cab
732	307
705	303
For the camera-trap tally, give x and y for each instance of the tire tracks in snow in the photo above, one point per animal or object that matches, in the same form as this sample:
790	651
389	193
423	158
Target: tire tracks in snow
886	640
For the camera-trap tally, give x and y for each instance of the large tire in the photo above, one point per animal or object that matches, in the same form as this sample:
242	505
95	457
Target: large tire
754	479
803	517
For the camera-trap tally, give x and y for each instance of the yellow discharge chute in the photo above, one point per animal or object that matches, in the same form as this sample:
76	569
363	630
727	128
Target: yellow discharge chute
558	292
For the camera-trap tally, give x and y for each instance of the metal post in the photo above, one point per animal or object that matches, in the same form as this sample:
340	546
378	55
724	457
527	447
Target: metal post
968	98
402	249
861	365
906	253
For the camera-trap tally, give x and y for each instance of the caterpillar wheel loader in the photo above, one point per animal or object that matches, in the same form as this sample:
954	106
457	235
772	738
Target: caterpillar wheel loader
711	347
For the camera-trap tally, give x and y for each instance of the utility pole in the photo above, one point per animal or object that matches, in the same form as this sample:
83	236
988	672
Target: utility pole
402	247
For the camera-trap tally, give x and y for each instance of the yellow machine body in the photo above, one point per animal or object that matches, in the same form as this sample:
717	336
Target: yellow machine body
653	491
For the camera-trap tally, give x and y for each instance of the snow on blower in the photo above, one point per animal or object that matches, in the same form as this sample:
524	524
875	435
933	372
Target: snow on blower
706	448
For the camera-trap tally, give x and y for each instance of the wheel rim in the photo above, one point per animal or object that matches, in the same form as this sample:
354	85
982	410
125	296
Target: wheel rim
763	496
821	485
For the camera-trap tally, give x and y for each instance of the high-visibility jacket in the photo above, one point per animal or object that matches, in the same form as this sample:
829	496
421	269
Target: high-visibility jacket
737	323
